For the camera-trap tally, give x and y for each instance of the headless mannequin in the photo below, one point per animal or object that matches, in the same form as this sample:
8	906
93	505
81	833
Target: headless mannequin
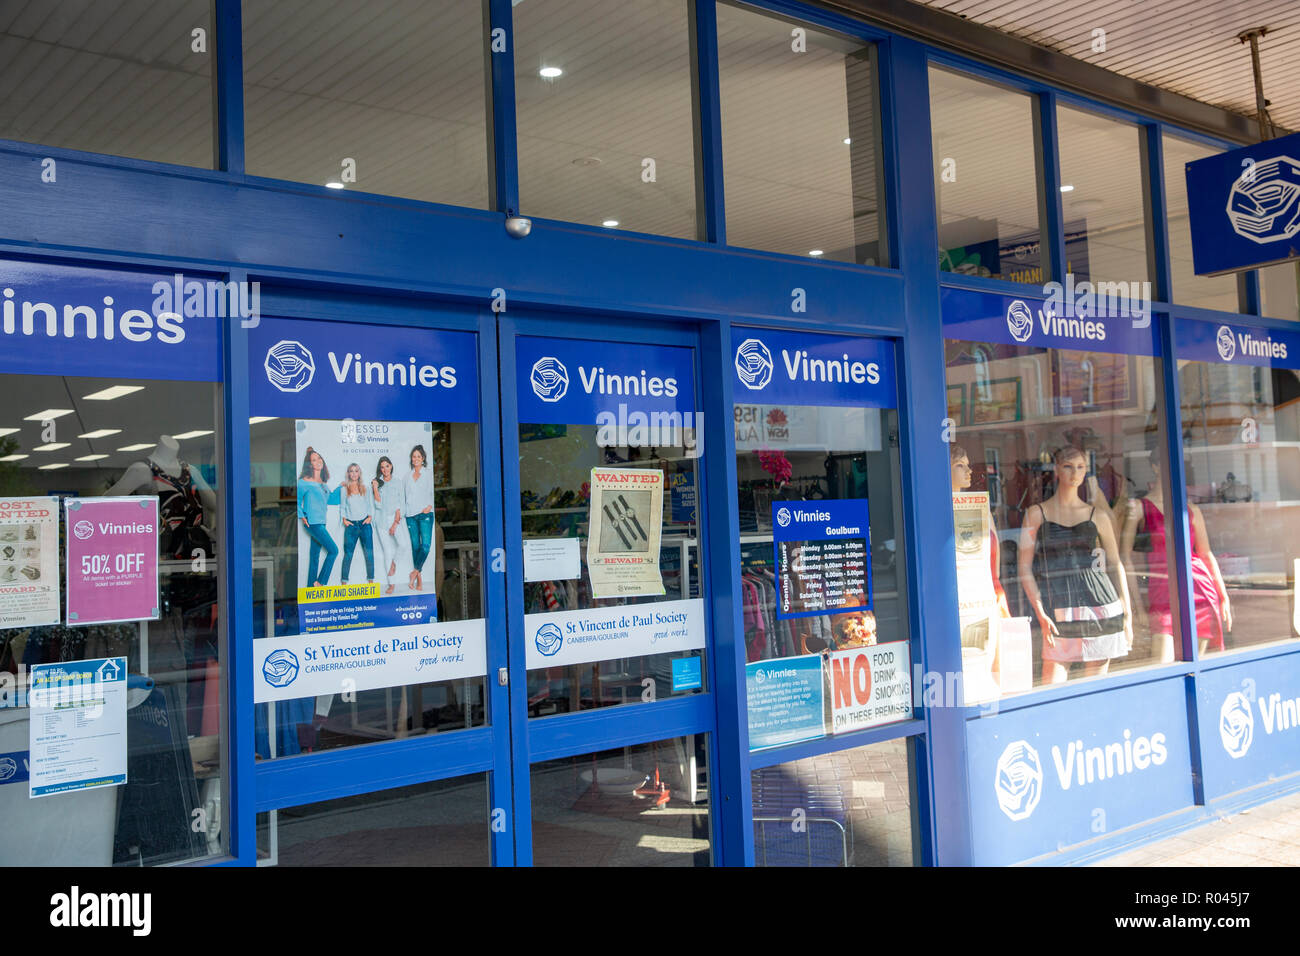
138	478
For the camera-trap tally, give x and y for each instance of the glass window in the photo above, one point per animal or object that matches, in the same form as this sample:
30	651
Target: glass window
1206	292
69	438
442	823
124	77
856	809
1278	287
611	530
1240	397
986	179
605	115
800	138
367	588
383	96
646	805
821	575
1058	494
1102	198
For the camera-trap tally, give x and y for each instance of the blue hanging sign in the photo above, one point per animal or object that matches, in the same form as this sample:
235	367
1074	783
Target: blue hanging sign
1047	777
308	369
1249	723
1080	316
805	368
62	320
617	384
1238	345
1244	206
823	556
786	701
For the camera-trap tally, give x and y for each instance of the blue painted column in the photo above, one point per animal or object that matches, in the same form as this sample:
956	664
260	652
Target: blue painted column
927	485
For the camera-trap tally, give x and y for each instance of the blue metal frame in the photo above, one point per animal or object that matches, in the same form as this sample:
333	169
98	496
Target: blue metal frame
437	267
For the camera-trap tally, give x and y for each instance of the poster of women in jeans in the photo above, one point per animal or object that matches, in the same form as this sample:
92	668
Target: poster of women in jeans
365	525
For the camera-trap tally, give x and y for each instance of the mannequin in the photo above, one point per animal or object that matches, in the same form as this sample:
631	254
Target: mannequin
1081	601
1144	531
187	505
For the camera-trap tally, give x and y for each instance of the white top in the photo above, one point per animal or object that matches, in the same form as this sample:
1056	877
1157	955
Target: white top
392	498
355	507
419	494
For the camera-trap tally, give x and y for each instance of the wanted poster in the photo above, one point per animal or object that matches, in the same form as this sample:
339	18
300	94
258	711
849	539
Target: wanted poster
977	601
626	519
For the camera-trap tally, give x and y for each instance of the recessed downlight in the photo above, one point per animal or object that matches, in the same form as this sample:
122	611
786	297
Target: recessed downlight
816	252
90	458
14	457
610	223
61	464
116	391
334	184
198	433
1067	188
52	446
48	414
550	72
140	447
101	433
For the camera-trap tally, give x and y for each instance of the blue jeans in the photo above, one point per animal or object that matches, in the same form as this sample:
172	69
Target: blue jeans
420	529
351	535
320	541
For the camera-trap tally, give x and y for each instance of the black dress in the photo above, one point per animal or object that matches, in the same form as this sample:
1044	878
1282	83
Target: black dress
1077	594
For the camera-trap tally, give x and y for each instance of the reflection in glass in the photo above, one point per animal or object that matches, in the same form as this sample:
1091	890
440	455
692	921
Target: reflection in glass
447	537
987	179
1102	198
140	438
645	805
1243	478
440	823
1206	292
800	139
606	129
1060	446
555	464
856	809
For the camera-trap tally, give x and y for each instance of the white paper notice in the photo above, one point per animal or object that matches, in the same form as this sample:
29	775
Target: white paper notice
29	562
77	735
552	559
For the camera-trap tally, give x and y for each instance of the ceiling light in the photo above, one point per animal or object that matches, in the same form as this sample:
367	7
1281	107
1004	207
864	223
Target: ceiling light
101	433
610	223
848	140
48	414
140	447
194	434
91	457
62	464
550	72
258	419
14	457
816	252
108	394
8	431
1067	188
52	446
333	184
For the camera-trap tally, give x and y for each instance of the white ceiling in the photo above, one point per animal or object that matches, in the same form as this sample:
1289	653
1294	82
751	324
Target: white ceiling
1186	46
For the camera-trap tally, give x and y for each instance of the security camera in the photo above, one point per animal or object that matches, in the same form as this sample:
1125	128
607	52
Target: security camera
518	226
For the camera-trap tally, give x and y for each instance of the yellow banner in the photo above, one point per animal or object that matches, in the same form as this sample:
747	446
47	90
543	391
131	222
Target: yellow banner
338	592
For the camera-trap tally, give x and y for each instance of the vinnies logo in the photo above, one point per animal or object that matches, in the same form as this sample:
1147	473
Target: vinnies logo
83	529
1018	781
550	380
1264	202
548	640
1236	725
1020	321
280	668
754	364
1226	343
783	517
290	366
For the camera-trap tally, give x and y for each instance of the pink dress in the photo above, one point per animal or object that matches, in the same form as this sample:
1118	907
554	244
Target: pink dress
1209	615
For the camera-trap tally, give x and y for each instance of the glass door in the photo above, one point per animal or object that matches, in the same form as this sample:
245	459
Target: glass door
602	440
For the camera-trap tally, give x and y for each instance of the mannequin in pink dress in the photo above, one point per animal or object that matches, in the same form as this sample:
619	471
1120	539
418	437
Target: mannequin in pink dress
1144	533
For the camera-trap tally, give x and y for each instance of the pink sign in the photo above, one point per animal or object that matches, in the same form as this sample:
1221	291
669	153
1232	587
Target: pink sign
112	559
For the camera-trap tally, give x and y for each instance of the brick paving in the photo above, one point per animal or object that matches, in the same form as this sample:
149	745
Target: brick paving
1267	835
